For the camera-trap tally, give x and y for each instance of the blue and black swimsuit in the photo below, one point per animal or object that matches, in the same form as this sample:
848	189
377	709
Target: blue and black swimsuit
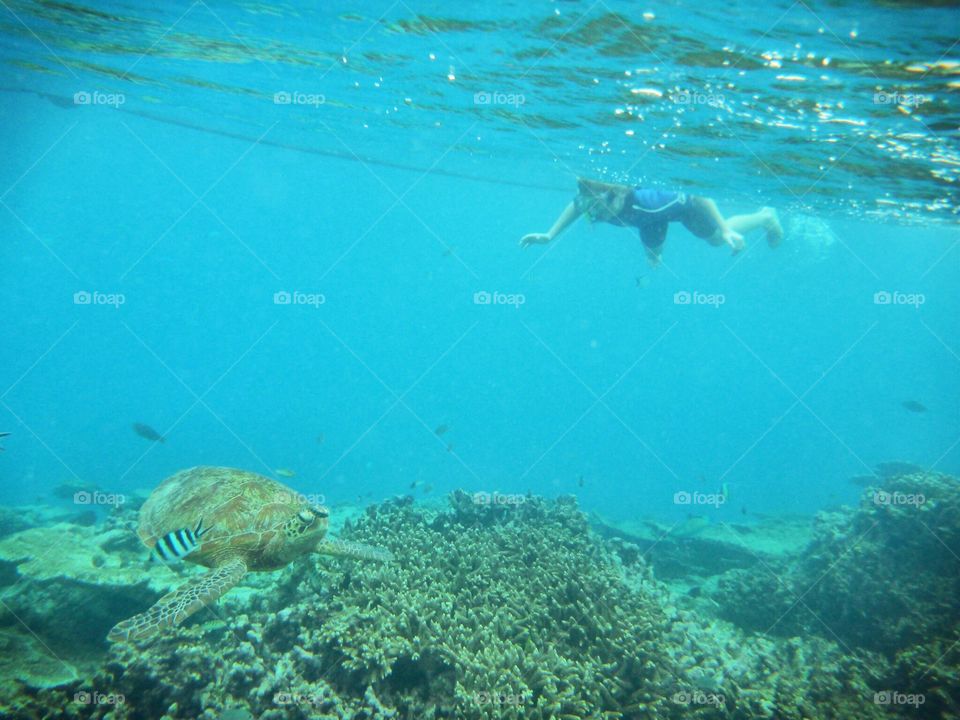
651	210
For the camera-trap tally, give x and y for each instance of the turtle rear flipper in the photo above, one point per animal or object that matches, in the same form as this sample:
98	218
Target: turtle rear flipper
356	551
173	608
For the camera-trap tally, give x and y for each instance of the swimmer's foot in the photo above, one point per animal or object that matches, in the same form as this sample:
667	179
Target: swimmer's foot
773	227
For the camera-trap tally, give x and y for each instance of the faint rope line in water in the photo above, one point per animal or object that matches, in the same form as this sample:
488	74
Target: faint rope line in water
202	202
32	232
157	41
39	40
798	398
799	599
398	398
398	199
37	161
39	359
199	199
598	399
199	399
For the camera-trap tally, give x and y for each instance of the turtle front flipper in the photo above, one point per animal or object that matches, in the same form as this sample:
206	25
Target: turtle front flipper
356	551
173	608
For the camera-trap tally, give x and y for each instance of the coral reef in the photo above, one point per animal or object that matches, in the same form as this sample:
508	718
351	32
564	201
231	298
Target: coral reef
881	577
515	610
488	611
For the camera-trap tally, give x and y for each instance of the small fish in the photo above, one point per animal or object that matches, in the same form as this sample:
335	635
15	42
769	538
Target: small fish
3	435
285	472
580	481
177	544
914	406
147	432
643	281
725	491
449	447
441	429
321	438
427	488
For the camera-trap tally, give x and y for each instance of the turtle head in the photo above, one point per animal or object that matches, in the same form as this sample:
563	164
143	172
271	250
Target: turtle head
309	521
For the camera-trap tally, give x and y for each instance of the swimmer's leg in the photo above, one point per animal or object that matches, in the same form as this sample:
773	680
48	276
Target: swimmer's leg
765	218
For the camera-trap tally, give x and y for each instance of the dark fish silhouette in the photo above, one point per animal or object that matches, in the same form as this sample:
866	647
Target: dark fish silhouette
441	429
147	432
914	406
3	435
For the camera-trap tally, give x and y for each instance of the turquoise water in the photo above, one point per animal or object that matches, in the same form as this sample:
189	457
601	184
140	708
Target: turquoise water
185	165
794	384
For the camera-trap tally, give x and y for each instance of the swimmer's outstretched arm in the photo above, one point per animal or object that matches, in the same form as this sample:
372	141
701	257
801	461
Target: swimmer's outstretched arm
566	219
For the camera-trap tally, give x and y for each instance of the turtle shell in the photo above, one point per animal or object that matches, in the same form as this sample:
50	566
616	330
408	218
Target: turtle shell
244	515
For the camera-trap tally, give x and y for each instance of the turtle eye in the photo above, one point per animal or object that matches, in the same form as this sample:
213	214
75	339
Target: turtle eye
305	516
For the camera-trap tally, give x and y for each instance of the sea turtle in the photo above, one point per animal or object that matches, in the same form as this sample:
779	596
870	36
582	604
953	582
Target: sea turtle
253	524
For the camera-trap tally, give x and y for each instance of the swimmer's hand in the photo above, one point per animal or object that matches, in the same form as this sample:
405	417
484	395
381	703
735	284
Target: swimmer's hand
534	239
733	239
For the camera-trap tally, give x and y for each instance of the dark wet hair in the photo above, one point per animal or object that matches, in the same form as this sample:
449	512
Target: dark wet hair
601	201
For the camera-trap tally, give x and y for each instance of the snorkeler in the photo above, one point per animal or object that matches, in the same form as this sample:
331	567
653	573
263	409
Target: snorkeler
650	211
